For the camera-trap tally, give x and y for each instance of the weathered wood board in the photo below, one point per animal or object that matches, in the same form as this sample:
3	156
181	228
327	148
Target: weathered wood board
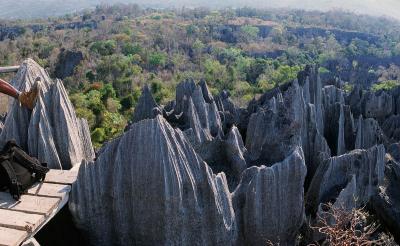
29	203
11	237
9	69
20	220
50	190
61	176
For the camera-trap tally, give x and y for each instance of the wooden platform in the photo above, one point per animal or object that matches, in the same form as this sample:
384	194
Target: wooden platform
21	220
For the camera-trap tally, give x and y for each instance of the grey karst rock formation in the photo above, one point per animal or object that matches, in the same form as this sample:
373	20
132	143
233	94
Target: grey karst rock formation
230	114
315	147
346	199
201	170
334	128
51	131
147	107
236	151
269	202
391	128
394	151
284	119
365	166
354	99
396	99
196	133
189	204
369	133
149	187
275	129
67	62
331	95
1	126
86	141
378	105
339	127
195	112
385	202
227	154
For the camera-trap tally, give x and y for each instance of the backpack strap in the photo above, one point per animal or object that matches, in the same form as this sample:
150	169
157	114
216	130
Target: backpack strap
13	185
7	147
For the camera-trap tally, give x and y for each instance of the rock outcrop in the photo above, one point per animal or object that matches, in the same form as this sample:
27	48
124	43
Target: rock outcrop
51	131
269	202
275	129
369	134
378	105
195	112
162	192
147	107
202	171
231	115
150	187
385	202
391	128
365	166
235	152
67	62
289	116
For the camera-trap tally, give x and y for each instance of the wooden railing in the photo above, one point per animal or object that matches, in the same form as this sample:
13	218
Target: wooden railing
10	69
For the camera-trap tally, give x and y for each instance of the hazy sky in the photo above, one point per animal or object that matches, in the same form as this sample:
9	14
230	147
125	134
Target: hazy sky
374	7
33	8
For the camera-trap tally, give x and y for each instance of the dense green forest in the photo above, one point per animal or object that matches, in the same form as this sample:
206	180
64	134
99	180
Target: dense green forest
105	56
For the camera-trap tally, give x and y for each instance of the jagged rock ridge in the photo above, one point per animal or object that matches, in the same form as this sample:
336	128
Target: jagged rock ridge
51	131
301	137
277	194
183	203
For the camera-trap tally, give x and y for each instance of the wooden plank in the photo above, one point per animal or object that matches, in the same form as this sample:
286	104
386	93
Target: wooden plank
61	176
9	69
20	220
29	203
48	189
11	237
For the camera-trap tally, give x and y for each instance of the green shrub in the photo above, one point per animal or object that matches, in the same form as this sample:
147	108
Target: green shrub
157	59
386	85
104	48
98	136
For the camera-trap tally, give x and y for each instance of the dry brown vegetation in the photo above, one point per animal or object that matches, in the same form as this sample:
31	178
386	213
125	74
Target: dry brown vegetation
342	227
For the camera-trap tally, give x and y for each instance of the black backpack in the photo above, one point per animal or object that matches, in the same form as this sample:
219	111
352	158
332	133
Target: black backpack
18	170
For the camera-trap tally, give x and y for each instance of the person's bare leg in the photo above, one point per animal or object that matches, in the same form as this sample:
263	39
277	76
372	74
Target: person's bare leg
27	99
8	89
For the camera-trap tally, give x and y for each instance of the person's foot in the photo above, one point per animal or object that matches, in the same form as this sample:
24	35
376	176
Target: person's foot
28	98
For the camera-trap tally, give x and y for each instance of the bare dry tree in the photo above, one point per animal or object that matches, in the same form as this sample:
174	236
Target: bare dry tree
342	227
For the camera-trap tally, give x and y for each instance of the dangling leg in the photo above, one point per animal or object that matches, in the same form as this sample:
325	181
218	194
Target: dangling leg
27	99
8	89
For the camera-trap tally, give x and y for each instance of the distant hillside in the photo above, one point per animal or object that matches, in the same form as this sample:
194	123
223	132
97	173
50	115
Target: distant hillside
28	9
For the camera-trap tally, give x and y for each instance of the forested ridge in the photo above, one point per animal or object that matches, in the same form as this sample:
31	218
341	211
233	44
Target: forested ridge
105	56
